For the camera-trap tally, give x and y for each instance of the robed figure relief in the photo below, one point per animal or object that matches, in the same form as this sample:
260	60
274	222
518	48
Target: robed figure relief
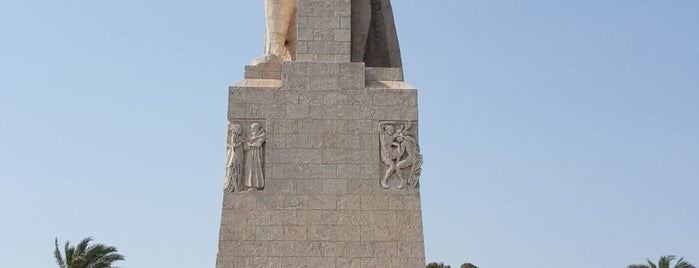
254	175
244	159
400	153
234	158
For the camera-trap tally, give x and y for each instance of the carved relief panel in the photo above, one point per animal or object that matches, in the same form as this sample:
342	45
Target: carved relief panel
400	154
245	156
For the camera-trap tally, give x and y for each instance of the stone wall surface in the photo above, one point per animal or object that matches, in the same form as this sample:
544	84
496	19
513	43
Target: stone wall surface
323	122
324	30
322	205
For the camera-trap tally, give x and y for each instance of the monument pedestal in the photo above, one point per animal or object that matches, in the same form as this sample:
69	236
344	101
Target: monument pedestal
323	204
323	159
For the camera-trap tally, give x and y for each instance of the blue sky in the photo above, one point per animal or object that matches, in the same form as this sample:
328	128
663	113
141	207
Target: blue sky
555	133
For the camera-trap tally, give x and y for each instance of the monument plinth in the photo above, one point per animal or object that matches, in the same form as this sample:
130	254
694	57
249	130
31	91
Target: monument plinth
323	161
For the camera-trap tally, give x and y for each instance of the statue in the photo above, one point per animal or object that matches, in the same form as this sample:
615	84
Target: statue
254	178
399	151
374	38
234	158
280	42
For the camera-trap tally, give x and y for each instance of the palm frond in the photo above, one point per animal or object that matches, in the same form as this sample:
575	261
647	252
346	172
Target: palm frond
102	256
81	248
665	261
651	264
70	252
681	263
59	258
85	255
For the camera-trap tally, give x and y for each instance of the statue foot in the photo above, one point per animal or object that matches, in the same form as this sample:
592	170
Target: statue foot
401	185
267	61
384	183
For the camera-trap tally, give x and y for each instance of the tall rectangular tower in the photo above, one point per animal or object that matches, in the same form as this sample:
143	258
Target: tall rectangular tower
323	161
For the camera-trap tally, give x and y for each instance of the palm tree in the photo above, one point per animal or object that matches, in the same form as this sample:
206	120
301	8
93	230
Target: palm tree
87	256
437	265
664	262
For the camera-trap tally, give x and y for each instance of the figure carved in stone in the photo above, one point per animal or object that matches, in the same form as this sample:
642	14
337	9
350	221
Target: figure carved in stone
254	178
400	151
234	158
373	34
244	158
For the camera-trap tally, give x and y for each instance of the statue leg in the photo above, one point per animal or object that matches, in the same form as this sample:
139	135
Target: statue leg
279	15
399	167
292	35
361	21
384	180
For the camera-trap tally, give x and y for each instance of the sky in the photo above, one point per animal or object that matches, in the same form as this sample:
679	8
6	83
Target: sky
555	133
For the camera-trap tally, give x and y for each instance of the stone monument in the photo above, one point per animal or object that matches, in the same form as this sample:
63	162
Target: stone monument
323	162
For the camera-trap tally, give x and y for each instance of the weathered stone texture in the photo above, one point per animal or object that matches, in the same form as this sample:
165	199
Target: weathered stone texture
324	31
323	205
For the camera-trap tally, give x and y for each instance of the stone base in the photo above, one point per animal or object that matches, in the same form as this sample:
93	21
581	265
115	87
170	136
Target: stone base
322	205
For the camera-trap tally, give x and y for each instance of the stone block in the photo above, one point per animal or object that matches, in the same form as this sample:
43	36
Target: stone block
235	234
260	217
308	187
322	201
396	202
284	217
310	217
360	249
321	261
333	233
335	186
386	249
374	233
348	263
384	74
334	249
376	262
295	232
295	202
281	248
274	185
271	232
348	171
311	156
374	202
348	202
307	248
340	217
294	262
266	262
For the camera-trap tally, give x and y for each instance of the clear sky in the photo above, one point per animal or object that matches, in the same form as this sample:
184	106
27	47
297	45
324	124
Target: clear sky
556	133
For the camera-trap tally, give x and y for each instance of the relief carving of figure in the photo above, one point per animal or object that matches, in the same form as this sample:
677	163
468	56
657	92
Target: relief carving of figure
234	159
254	178
244	159
373	33
400	151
